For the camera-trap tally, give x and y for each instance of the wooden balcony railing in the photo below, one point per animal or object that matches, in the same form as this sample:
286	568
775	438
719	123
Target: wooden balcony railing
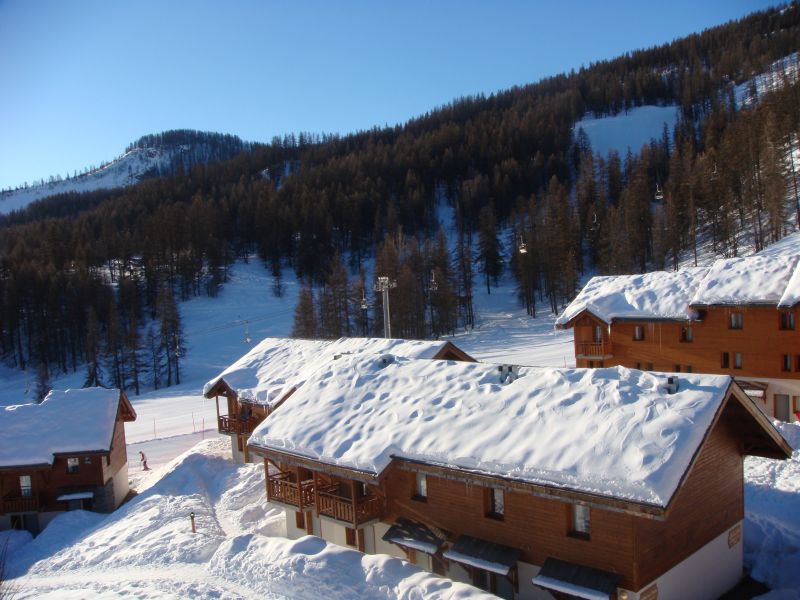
20	504
281	489
231	425
594	349
348	510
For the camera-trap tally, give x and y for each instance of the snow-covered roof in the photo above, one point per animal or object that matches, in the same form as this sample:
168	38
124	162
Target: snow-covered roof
770	278
71	421
275	366
614	432
656	295
750	280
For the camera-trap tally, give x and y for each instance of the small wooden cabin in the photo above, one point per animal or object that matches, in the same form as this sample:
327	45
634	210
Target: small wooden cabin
67	452
737	317
600	484
265	377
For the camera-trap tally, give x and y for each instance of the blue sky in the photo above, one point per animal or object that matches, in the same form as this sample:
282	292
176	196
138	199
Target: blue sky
82	79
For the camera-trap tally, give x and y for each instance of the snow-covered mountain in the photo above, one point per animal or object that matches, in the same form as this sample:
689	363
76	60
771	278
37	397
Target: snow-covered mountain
152	155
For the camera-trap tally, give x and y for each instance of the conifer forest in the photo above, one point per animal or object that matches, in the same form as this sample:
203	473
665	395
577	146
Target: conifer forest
93	281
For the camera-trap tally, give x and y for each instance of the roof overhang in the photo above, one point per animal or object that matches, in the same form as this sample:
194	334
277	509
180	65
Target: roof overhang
221	388
482	554
297	460
584	313
576	580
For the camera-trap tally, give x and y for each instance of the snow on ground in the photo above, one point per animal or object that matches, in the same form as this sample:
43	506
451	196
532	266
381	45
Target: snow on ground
632	129
772	519
146	548
505	334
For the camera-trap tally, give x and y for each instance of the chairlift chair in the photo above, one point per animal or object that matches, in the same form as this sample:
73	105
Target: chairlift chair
433	286
523	248
659	194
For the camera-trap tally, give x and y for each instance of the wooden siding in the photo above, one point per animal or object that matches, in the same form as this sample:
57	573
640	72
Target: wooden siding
761	343
538	527
710	502
47	483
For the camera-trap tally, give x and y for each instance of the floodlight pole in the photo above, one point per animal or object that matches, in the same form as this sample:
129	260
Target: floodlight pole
383	285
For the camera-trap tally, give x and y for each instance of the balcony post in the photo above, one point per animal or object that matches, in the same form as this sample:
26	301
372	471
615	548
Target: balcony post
354	496
316	491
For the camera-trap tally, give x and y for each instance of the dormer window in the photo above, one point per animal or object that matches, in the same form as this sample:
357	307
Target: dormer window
736	321
638	333
73	465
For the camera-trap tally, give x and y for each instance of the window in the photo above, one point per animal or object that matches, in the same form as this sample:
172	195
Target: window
73	465
87	460
736	321
786	321
688	368
591	364
638	333
299	520
421	488
25	487
497	503
726	360
598	334
787	362
638	366
797	362
687	335
677	368
350	536
737	360
580	521
649	366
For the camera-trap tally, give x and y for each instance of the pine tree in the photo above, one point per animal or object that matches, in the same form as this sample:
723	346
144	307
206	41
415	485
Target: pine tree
43	386
170	333
92	350
305	322
489	248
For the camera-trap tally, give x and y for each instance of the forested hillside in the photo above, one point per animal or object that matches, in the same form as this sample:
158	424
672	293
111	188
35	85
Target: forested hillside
92	278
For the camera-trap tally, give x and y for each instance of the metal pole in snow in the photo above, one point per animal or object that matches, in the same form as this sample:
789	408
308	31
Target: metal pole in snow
191	516
154	428
383	285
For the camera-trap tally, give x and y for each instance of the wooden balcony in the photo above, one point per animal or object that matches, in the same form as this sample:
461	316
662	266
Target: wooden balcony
234	425
281	489
20	504
594	350
353	512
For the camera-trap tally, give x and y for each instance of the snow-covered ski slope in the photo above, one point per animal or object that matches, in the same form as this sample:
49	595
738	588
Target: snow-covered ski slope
629	130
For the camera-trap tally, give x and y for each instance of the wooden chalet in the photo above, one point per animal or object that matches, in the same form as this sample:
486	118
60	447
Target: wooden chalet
67	452
738	317
262	379
546	484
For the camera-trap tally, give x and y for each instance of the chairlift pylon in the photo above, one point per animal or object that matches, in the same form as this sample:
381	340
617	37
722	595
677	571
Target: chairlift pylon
433	285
